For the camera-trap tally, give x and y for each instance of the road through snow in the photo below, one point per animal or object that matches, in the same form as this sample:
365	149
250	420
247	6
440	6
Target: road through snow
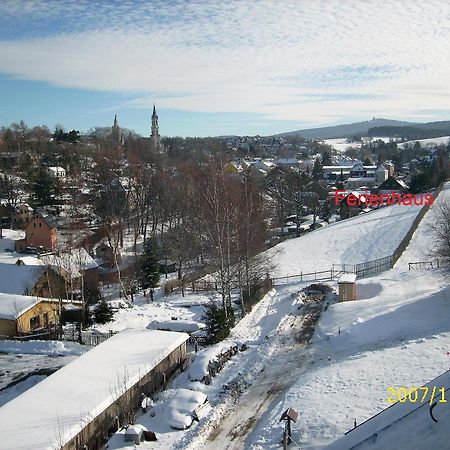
284	367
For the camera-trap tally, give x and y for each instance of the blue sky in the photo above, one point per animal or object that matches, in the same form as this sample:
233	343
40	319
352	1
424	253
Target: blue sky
212	68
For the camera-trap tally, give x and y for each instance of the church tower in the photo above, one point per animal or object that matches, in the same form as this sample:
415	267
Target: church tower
155	138
116	133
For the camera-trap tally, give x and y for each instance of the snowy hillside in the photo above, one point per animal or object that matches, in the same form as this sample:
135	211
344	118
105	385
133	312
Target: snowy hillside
397	334
359	239
444	140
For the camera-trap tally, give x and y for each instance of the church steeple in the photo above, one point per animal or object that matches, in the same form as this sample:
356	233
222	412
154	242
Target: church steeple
116	133
155	130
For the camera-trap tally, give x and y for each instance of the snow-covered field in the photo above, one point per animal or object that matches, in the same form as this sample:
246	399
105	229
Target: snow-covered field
431	142
363	238
340	145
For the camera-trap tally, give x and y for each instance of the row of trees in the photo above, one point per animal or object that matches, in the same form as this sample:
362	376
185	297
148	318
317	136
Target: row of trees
197	213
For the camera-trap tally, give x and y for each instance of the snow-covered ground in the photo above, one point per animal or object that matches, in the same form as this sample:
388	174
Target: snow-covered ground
340	145
20	359
431	142
396	334
273	373
363	238
162	309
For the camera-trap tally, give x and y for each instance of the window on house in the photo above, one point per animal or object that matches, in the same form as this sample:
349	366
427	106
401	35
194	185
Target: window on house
35	322
34	225
40	224
46	322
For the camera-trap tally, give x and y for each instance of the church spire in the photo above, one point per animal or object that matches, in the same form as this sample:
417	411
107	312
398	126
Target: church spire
116	133
155	130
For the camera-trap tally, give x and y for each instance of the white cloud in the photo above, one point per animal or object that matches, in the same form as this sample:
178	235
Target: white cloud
310	61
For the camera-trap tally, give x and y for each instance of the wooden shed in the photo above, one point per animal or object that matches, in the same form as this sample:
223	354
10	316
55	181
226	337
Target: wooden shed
347	287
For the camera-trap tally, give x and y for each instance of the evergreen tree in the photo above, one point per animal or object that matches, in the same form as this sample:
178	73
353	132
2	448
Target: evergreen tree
326	158
103	313
217	324
317	171
149	267
92	293
43	187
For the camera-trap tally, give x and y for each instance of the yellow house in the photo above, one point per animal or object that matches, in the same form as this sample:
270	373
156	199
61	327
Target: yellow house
21	314
231	169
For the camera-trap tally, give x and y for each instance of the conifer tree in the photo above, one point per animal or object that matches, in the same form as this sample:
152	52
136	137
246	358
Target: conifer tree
103	313
218	324
149	267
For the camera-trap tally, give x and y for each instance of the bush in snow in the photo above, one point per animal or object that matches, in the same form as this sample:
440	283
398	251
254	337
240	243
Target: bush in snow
103	313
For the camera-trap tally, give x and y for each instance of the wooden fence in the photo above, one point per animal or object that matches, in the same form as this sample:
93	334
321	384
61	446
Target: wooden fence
90	338
361	270
324	275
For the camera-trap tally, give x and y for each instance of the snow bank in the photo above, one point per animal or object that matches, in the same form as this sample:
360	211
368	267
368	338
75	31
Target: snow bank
51	348
199	368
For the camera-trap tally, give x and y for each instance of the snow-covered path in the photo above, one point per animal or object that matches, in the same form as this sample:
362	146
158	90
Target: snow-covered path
289	360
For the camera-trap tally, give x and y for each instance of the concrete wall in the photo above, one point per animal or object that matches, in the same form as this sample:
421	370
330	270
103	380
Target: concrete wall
95	433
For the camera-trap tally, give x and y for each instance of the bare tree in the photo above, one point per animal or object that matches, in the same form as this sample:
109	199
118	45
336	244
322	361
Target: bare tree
440	230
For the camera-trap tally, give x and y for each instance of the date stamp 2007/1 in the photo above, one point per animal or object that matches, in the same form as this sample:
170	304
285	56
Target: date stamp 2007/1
416	395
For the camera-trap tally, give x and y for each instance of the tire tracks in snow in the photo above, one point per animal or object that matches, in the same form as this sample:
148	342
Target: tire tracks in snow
280	372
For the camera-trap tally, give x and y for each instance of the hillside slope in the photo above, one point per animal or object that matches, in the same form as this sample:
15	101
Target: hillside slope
359	239
396	334
345	130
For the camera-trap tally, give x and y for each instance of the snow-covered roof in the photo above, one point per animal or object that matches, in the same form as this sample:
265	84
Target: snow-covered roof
185	326
17	279
347	278
63	403
405	424
44	215
78	259
13	306
368	179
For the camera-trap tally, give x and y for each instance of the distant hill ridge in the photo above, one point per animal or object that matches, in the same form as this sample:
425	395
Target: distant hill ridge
376	127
